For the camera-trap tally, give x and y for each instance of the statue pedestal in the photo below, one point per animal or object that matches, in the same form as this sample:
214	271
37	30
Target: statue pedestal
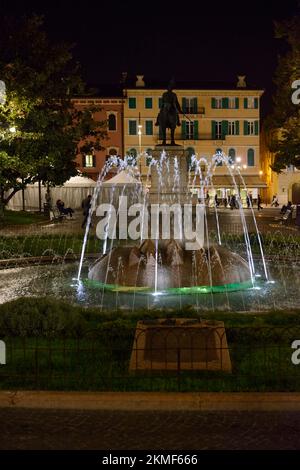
169	178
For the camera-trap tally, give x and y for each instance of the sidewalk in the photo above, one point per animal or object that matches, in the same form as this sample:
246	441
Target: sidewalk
142	401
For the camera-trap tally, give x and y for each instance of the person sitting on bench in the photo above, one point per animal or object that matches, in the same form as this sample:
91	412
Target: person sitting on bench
62	210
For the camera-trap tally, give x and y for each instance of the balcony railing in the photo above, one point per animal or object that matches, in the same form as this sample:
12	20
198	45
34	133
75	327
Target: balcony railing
198	110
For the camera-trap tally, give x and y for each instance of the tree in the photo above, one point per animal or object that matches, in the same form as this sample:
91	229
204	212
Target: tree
283	124
41	132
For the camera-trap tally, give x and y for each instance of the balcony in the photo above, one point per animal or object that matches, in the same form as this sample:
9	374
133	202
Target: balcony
191	110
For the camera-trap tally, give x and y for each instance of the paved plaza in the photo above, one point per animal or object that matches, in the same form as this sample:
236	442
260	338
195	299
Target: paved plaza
268	220
163	430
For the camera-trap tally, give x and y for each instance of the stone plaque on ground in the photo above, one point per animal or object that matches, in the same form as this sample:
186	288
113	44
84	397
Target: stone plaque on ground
180	344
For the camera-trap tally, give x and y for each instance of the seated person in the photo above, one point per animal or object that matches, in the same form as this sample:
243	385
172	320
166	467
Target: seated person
286	207
61	207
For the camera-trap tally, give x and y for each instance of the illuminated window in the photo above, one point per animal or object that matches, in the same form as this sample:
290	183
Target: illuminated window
89	161
218	102
232	102
232	128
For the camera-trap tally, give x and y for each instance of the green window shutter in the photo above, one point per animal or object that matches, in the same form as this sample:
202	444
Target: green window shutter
196	132
246	103
237	127
225	103
148	103
213	129
83	160
256	127
94	161
149	127
132	127
195	105
132	102
237	103
250	157
213	103
183	130
245	127
159	102
224	129
256	103
184	105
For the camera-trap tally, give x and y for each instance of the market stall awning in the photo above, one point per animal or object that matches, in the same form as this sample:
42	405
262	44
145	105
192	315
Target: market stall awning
225	181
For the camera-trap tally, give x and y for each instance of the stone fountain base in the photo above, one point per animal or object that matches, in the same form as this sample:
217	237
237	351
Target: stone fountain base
180	344
171	268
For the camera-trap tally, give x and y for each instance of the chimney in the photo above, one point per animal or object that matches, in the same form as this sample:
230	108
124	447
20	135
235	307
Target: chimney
140	81
241	83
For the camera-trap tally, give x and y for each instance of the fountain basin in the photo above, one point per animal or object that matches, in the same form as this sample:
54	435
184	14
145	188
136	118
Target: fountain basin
170	268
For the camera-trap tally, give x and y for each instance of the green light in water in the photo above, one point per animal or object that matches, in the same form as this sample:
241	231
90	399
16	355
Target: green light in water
172	290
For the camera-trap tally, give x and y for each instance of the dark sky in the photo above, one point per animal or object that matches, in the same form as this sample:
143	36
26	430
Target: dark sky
162	39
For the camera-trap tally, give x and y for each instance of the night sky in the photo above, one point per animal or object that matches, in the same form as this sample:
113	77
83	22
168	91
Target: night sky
163	39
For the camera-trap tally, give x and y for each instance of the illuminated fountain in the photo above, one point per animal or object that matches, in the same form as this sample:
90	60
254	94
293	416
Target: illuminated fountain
177	264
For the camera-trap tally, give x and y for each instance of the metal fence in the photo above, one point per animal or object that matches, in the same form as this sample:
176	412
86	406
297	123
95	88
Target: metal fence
154	359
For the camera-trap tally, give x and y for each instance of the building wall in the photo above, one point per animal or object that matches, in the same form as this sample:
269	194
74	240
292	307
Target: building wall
114	140
204	144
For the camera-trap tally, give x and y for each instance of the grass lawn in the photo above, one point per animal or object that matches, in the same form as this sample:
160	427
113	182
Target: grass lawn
53	345
22	217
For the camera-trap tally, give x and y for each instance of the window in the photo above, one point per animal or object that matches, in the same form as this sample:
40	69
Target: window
218	102
159	102
218	129
89	161
231	155
231	128
219	150
149	127
189	105
132	152
250	102
112	122
132	127
132	102
250	128
232	102
148	103
189	130
250	157
148	156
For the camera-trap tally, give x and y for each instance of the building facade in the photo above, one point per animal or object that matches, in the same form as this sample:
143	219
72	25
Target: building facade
215	119
286	184
111	112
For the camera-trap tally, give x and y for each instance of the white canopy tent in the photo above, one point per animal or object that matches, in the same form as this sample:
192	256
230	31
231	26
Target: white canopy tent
123	183
71	193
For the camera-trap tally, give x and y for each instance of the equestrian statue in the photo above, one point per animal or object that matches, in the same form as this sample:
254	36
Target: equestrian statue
168	116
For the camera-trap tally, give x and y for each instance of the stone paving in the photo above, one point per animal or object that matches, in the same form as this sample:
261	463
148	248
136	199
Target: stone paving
153	430
267	220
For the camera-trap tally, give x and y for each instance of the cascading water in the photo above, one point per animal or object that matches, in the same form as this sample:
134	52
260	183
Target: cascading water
149	266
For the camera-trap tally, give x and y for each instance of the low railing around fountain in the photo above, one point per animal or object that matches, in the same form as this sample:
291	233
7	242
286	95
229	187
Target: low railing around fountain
262	359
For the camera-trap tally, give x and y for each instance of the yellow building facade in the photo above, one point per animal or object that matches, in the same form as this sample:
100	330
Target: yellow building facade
214	120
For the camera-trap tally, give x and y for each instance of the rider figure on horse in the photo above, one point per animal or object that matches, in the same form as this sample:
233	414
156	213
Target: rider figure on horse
168	117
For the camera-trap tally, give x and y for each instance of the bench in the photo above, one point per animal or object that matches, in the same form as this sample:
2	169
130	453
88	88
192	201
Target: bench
56	215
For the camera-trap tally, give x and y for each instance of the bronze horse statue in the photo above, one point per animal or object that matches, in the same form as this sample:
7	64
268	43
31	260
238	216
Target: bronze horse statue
168	117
